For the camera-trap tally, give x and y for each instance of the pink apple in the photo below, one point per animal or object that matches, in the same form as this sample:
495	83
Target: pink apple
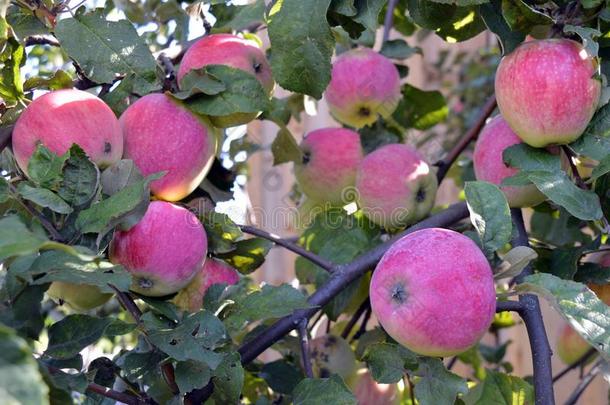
214	271
547	91
64	117
161	135
433	292
163	252
489	165
369	392
229	50
327	172
396	187
81	297
364	85
570	345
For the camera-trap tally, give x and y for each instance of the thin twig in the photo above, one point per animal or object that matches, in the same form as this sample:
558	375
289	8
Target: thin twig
580	362
365	321
55	235
170	80
569	155
305	353
411	388
127	302
513	306
452	362
41	40
5	136
584	383
117	396
350	325
389	19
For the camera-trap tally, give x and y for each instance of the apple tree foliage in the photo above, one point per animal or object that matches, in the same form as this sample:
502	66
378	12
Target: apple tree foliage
57	222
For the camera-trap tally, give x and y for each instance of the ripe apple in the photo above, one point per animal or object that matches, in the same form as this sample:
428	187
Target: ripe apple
369	392
396	187
489	165
163	251
81	297
547	91
327	172
233	51
214	271
433	292
64	117
363	86
161	135
570	345
333	355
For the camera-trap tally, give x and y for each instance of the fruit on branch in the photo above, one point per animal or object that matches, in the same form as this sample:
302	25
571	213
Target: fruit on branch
327	172
433	292
214	271
368	391
81	297
547	91
229	50
64	117
163	252
489	165
570	345
364	85
332	354
396	187
161	135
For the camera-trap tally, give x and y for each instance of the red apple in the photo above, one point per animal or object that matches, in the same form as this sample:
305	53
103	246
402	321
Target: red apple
81	297
161	135
64	117
547	91
163	252
433	292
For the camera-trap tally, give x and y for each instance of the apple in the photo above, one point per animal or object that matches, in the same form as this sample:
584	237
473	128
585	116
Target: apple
396	187
547	91
61	118
363	86
332	354
213	271
162	135
233	51
570	345
369	392
163	252
433	292
81	297
327	171
489	165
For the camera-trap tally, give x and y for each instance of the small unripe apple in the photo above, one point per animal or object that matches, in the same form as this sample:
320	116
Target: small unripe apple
214	271
369	392
363	86
333	355
163	252
81	297
233	51
64	117
570	345
547	91
161	135
327	172
489	165
396	187
433	292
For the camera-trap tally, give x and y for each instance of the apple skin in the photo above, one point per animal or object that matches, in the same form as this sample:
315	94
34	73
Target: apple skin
81	297
547	92
369	392
163	252
364	84
433	292
61	118
396	187
332	354
489	165
327	173
233	51
570	345
214	271
161	135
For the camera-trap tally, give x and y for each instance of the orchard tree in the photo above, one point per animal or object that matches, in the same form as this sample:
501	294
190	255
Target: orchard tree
121	130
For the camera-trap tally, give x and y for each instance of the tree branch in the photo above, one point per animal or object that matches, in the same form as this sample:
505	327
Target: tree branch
389	19
513	306
580	362
117	396
305	353
584	383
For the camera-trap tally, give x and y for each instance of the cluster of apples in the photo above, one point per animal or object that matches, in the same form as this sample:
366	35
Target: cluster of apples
167	249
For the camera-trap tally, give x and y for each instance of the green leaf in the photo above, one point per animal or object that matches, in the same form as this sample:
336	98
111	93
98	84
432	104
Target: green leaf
388	362
43	198
580	306
595	142
241	17
16	239
75	332
302	45
398	49
602	168
420	109
105	49
587	35
20	380
120	175
192	374
59	80
222	232
450	22
80	178
437	385
12	57
489	214
323	391
199	81
285	148
344	7
368	13
514	262
228	379
45	167
501	389
4	193
496	23
522	17
248	255
525	157
281	376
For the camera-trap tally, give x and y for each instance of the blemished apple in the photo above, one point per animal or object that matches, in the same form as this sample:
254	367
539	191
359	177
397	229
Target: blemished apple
332	354
433	292
489	165
213	271
396	187
229	50
369	392
61	118
327	172
363	86
547	91
81	297
570	345
161	135
163	252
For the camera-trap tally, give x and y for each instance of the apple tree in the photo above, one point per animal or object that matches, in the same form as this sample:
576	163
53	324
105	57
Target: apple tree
123	126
